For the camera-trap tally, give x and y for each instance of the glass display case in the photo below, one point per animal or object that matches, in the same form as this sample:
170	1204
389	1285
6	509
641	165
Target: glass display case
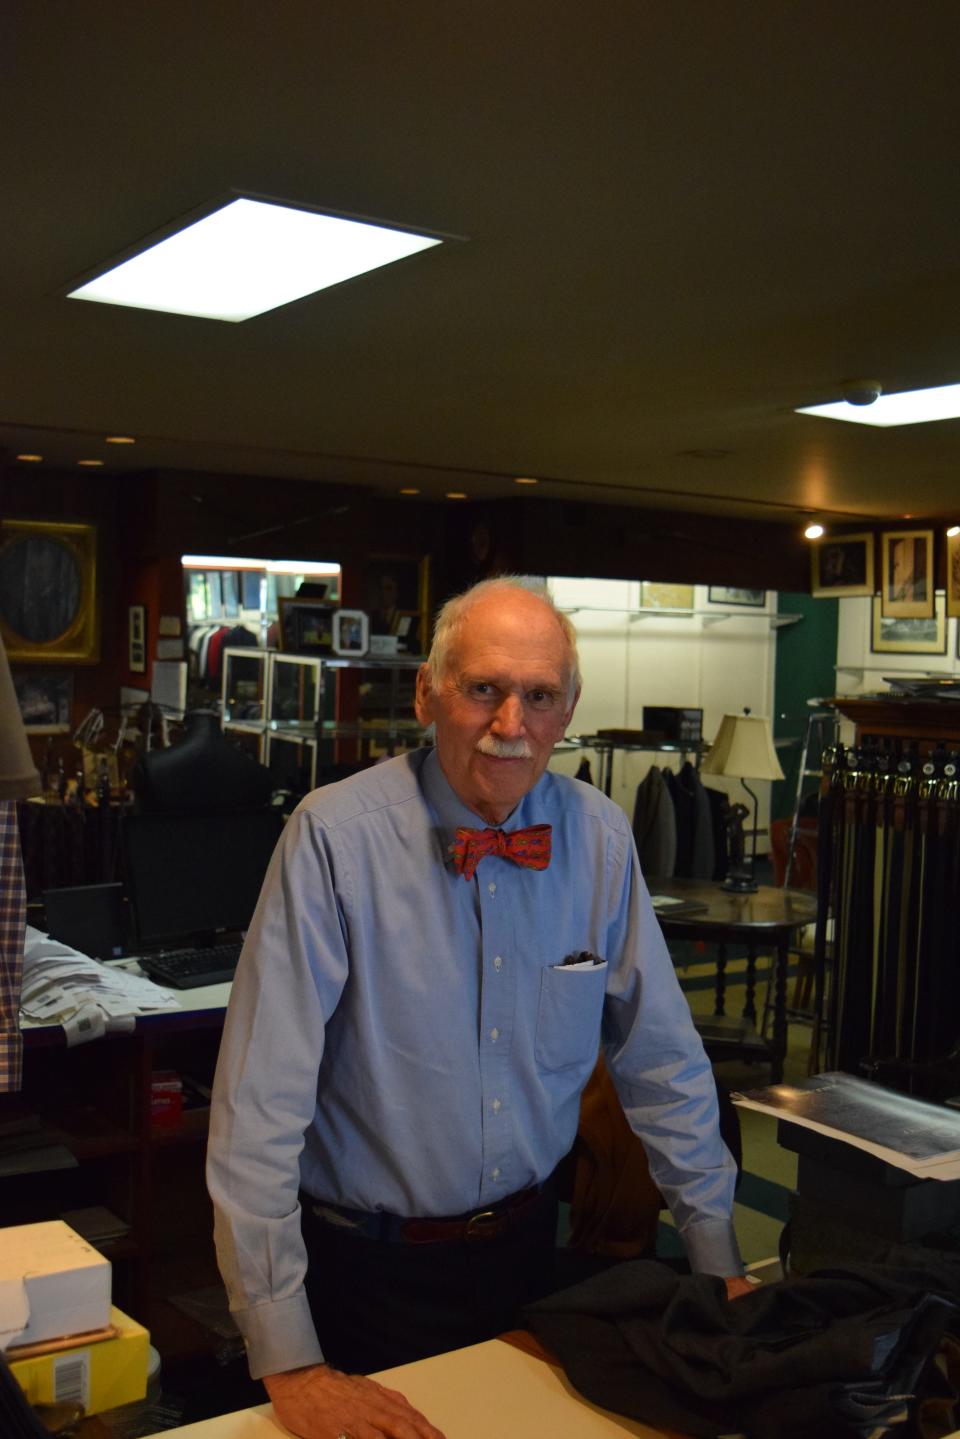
295	692
302	712
245	687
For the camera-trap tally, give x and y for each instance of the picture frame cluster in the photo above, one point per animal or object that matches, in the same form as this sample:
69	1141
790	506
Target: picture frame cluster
908	614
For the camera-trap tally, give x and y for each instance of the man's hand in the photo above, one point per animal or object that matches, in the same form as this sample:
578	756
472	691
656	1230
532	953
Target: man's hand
322	1403
738	1285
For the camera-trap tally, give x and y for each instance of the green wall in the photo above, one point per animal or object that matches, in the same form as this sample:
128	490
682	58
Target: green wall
806	655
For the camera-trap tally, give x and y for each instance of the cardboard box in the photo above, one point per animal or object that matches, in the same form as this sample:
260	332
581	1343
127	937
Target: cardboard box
66	1281
101	1375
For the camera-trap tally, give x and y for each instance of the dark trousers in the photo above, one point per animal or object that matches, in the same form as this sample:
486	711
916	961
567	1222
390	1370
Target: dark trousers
379	1304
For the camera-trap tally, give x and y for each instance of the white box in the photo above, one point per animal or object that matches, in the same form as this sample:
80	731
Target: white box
67	1282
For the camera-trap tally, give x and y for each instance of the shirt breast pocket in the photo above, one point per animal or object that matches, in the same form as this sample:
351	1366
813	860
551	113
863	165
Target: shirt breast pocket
568	1017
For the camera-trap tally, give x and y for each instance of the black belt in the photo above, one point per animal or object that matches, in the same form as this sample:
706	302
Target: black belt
482	1224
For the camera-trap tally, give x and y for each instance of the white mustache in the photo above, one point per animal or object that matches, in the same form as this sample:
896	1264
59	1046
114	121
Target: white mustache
504	748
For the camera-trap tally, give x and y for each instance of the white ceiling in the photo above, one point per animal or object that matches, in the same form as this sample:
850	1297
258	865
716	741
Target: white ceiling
684	218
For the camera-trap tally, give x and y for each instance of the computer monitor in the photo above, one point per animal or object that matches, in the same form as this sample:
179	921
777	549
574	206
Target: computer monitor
90	918
191	876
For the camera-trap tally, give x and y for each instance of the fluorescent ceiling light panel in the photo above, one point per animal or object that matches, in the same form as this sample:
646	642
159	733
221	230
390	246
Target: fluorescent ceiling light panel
909	407
248	257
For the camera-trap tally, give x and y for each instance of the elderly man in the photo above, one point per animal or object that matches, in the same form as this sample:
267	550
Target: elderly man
418	1007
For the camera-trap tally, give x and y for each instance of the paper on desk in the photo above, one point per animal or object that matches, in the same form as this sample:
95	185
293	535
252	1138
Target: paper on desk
89	998
910	1134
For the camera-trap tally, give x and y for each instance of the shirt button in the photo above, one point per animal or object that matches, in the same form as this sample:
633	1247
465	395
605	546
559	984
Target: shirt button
491	887
496	1106
495	1174
498	964
494	1035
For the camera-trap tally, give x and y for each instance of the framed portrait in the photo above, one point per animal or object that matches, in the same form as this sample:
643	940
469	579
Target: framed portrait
842	565
48	592
306	626
137	639
953	576
725	595
45	700
909	634
351	633
906	586
397	592
657	595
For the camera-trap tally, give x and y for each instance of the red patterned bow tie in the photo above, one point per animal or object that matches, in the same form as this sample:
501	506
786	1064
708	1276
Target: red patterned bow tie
528	847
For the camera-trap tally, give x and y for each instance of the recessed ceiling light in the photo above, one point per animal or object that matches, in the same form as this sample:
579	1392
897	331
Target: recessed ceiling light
247	257
526	480
456	495
30	459
409	490
813	532
91	464
908	407
953	530
120	440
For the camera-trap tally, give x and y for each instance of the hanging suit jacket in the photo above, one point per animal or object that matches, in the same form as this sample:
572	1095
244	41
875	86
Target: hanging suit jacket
655	826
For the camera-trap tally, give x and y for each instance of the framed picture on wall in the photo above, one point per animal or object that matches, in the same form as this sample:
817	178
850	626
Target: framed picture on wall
953	576
397	594
725	595
661	595
906	588
45	699
137	639
842	565
48	592
910	634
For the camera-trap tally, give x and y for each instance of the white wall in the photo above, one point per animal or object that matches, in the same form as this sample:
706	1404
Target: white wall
719	658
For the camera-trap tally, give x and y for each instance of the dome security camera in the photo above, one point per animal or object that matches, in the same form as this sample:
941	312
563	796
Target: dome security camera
862	392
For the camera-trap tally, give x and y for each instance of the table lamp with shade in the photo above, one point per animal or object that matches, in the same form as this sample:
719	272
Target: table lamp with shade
743	749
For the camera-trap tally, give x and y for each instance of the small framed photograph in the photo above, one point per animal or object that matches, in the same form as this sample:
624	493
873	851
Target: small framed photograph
906	590
724	595
45	700
953	577
842	565
657	595
306	626
909	635
137	639
351	632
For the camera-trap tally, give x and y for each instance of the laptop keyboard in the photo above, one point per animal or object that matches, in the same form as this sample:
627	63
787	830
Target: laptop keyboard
191	968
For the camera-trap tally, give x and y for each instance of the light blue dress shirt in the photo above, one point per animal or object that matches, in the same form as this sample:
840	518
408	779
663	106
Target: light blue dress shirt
401	1039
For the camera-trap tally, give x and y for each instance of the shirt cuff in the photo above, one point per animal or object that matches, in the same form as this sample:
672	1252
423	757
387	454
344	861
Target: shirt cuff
279	1336
712	1248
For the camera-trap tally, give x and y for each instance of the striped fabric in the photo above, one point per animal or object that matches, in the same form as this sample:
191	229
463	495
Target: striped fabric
13	909
528	847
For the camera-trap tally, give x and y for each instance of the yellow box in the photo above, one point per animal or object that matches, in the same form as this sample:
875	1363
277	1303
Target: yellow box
100	1376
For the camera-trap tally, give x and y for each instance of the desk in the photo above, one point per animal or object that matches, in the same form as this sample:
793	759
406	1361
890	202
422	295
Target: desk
487	1389
766	918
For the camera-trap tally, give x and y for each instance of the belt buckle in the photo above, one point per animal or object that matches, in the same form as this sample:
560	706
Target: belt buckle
482	1225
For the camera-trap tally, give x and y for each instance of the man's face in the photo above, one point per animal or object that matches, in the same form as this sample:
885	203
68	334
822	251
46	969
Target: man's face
502	704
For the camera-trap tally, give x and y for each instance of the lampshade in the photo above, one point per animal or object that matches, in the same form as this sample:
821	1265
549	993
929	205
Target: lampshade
743	749
18	773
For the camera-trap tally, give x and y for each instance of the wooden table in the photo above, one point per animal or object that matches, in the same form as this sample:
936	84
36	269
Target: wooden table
762	920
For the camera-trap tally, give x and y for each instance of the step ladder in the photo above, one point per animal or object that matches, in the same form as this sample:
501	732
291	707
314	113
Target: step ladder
820	730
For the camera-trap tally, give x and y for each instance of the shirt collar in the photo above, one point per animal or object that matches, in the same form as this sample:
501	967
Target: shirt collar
450	812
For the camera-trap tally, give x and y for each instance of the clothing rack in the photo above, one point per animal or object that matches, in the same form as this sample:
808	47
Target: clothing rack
605	747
